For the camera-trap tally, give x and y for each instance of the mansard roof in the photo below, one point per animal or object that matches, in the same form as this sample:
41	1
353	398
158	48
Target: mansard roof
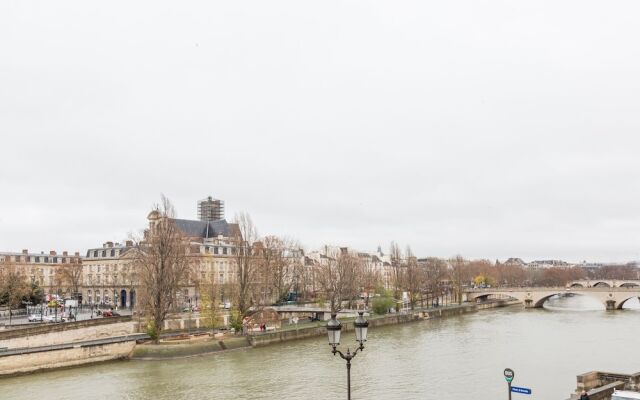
203	229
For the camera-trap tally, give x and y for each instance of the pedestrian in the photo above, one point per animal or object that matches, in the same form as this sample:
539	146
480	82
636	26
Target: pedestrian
584	395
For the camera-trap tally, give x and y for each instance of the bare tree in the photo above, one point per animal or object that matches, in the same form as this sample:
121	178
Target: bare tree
209	290
414	278
370	278
13	286
338	277
279	263
71	275
246	263
436	272
459	275
397	269
163	265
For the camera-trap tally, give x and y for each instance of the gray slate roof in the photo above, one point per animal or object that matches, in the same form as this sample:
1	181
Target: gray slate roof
203	229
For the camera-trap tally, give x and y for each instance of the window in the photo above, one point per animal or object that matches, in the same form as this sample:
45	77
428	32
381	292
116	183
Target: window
104	253
46	259
37	259
224	250
95	253
113	253
55	260
28	258
215	250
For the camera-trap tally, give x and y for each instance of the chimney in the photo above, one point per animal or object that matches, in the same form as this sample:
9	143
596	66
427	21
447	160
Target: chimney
77	254
65	254
25	251
129	243
52	253
109	244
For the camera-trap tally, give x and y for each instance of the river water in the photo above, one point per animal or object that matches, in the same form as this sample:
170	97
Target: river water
448	359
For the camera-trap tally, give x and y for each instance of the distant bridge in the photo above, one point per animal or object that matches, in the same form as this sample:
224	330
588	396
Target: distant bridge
610	283
613	298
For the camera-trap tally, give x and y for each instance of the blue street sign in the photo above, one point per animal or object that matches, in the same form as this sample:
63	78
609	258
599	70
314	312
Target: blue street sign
516	389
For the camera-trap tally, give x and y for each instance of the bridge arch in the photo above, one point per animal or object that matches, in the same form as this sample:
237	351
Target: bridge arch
481	297
601	284
542	300
620	304
538	303
576	285
629	285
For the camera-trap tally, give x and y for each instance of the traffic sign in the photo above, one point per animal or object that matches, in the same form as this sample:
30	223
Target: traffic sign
508	375
516	389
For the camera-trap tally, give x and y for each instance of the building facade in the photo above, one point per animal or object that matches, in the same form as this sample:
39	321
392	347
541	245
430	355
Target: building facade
108	275
57	274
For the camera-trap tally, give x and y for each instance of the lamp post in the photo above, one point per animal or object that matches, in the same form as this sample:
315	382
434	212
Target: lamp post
334	328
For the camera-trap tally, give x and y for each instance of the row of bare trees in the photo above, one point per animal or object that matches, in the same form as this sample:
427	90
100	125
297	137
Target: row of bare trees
267	269
342	276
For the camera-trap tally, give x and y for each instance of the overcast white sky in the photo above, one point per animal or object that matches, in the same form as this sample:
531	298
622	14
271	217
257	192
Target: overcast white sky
486	128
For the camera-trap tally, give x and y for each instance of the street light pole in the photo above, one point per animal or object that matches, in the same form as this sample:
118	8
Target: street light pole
508	376
334	328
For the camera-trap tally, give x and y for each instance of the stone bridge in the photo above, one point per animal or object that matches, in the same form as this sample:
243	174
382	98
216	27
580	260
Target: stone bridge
612	283
613	298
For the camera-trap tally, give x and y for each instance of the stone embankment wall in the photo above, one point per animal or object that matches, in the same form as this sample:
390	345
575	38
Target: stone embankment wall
264	339
600	385
51	334
32	362
33	348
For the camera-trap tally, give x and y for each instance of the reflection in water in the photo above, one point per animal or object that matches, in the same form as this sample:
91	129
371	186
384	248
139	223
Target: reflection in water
449	359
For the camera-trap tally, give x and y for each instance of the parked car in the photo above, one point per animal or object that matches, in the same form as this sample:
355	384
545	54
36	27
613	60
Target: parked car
34	318
107	313
115	314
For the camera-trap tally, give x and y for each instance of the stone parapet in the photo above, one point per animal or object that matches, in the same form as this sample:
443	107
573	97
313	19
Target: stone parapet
32	362
62	333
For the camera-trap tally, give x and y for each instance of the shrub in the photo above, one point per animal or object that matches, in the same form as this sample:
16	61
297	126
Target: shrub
382	304
235	320
152	331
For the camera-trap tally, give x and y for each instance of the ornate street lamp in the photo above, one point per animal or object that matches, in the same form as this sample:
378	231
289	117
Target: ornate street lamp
334	328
